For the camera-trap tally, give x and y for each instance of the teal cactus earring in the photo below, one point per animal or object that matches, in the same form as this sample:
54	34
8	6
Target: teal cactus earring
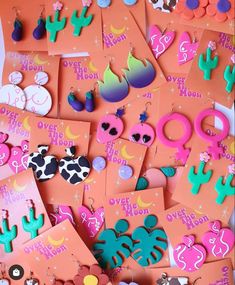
208	64
113	245
54	27
149	242
229	75
7	235
82	21
32	224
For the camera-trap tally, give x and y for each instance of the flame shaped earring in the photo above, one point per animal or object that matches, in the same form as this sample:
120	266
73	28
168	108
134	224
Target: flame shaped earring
139	74
17	33
113	89
40	31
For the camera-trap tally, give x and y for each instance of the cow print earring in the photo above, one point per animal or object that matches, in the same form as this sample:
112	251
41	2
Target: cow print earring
165	280
44	167
74	170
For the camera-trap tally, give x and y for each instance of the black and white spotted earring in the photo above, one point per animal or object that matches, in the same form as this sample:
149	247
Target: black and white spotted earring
74	170
44	166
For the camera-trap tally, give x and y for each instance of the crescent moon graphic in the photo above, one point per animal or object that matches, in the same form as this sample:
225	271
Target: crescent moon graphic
39	61
117	31
70	135
92	67
232	147
142	204
125	154
55	242
17	187
26	123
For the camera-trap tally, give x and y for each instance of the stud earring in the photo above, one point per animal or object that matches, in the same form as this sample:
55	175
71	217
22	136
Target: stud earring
229	76
54	27
99	163
44	167
103	3
31	280
125	172
74	170
186	49
7	235
160	41
11	94
110	127
208	64
142	133
130	2
38	99
17	33
18	160
40	31
4	149
139	73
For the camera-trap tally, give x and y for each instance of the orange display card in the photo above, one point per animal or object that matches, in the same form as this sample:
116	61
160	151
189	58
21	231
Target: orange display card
29	63
90	37
215	87
59	134
57	247
205	200
14	192
29	22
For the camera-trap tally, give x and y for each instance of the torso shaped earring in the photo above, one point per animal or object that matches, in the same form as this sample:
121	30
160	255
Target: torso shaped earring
183	152
142	133
91	219
11	94
229	75
160	41
110	127
38	99
165	280
215	149
40	31
18	160
7	234
3	279
74	170
186	49
17	33
4	149
31	280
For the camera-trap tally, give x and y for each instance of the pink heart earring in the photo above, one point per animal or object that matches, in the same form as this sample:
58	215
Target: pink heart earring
4	149
187	49
61	214
18	160
160	41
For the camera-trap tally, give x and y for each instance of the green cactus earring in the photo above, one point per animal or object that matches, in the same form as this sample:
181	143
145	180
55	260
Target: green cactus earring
208	64
201	177
7	235
54	27
229	76
33	224
82	21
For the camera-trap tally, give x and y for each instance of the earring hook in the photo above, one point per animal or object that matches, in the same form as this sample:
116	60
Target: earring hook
50	275
43	10
74	259
131	47
147	104
195	281
91	203
14	8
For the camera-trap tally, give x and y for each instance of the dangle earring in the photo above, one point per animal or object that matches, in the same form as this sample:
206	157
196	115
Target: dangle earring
7	234
17	33
186	49
76	104
142	133
40	31
18	160
4	149
229	75
31	280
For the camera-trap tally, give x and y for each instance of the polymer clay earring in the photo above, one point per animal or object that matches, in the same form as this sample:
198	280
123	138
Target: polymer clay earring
142	133
130	2
4	149
32	224
38	98
40	31
165	280
218	241
17	33
183	152
229	76
18	160
125	172
7	235
148	242
113	245
189	256
164	6
186	49
31	280
58	25
76	104
139	73
44	166
80	22
99	163
91	219
224	186
221	10
110	127
61	214
160	41
215	149
201	177
208	64
11	94
3	279
74	169
103	3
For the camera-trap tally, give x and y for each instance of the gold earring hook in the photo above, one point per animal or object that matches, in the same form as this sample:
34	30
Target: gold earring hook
74	259
91	204
147	104
14	8
131	47
42	11
195	281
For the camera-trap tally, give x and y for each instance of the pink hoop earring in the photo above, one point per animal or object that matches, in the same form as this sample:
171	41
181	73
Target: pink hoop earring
214	149
183	152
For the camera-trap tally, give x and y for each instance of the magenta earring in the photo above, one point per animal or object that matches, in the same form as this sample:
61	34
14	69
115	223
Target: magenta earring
4	149
186	49
183	152
18	160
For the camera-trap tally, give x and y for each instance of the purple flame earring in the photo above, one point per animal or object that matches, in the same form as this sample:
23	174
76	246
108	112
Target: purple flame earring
40	31
17	33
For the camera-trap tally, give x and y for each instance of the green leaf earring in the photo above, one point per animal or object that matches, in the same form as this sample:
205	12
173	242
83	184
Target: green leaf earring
54	27
7	235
